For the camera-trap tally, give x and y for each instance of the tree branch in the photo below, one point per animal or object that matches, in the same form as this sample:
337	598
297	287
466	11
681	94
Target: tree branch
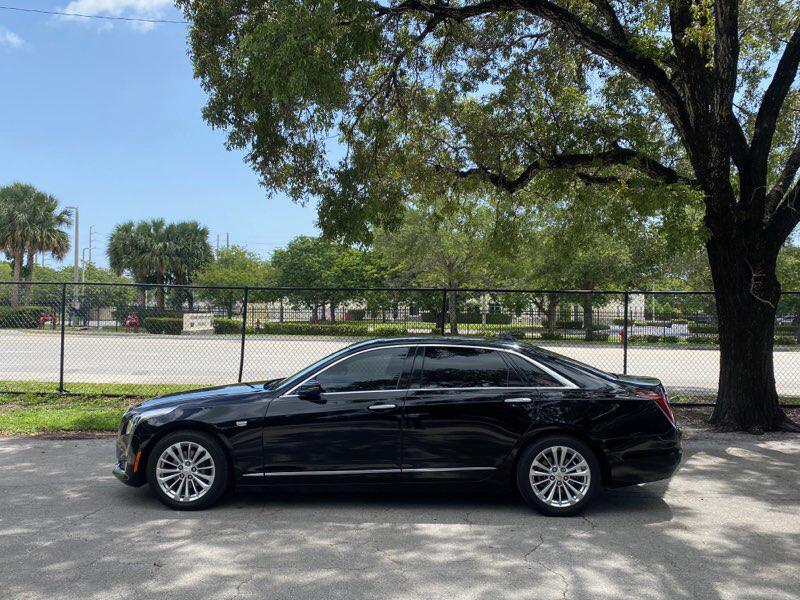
785	180
771	103
616	30
615	156
621	55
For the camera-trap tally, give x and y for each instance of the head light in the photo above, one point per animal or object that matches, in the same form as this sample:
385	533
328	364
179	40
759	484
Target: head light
145	414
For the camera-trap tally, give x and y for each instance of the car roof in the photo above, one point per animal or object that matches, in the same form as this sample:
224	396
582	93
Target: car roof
509	344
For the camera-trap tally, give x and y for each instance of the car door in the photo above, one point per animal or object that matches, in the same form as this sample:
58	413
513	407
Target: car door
352	428
466	409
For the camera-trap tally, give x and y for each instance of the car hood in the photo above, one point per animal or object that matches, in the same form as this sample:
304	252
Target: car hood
203	395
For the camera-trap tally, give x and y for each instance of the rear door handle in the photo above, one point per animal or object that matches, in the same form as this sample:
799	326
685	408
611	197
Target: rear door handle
380	407
517	400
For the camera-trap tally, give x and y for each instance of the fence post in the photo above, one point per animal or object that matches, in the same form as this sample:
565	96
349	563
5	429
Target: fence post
625	338
444	308
63	325
244	333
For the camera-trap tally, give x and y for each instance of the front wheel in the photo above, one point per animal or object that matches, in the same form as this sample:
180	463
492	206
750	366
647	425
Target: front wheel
188	470
558	475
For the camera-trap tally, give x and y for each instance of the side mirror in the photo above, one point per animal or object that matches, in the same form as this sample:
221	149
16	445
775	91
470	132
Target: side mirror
310	390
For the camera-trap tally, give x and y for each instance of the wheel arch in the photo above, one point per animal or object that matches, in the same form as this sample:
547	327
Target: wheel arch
172	427
539	433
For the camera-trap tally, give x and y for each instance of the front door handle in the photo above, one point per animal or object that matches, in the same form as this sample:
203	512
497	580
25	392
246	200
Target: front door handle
382	407
517	400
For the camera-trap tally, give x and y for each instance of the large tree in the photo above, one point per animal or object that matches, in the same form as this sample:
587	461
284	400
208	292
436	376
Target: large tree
30	223
516	93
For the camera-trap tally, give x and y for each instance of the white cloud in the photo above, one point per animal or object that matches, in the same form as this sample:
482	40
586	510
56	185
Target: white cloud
138	9
9	38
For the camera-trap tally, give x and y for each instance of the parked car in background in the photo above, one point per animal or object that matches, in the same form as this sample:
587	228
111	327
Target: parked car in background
422	410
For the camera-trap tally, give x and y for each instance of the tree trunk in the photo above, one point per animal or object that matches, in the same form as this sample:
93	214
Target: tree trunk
28	277
588	317
552	315
453	311
15	291
746	291
333	311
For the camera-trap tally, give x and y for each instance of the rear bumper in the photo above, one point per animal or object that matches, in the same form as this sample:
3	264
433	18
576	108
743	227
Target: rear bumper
657	461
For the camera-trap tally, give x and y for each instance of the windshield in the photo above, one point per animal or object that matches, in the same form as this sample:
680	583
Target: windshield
300	375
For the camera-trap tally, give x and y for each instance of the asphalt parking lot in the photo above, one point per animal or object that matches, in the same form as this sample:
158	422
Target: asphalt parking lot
726	526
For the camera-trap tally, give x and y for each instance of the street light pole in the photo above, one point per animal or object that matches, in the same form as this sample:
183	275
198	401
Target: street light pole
75	244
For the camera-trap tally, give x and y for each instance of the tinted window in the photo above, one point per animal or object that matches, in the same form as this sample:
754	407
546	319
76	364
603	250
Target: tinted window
373	370
533	375
463	367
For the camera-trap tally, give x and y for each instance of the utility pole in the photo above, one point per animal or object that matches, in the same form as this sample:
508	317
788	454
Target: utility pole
217	246
227	241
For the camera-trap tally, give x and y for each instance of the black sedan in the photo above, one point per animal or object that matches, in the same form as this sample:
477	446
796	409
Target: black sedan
410	410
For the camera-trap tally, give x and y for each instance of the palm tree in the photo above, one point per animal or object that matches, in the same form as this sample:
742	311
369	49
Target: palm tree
192	253
30	222
45	233
156	253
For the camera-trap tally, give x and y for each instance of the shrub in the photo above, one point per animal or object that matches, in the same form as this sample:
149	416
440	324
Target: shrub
670	339
702	328
681	321
618	320
640	323
637	339
790	329
653	339
550	335
388	330
169	325
659	323
223	326
701	340
600	337
785	340
22	317
569	324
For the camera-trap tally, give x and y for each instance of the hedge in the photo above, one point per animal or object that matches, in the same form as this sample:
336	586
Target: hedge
343	328
549	335
390	330
701	340
170	325
600	337
22	317
785	340
702	328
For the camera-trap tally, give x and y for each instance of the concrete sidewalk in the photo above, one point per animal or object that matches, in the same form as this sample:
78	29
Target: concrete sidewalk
727	526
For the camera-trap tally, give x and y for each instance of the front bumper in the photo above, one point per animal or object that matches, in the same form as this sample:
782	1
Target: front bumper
129	468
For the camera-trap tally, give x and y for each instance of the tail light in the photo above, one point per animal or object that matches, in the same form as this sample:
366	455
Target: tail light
660	398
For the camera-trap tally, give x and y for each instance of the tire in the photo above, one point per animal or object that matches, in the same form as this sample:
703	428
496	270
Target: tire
199	481
572	489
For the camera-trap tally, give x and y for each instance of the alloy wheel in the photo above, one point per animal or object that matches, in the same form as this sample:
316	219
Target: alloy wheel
560	476
185	471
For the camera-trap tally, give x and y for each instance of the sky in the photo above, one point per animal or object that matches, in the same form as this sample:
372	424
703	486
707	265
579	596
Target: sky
106	116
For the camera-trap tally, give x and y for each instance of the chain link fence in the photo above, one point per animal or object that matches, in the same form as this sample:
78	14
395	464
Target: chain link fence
142	340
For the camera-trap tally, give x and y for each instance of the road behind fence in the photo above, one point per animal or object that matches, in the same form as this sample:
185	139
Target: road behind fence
147	339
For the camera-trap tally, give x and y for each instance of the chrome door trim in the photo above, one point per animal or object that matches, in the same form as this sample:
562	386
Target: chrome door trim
517	400
367	471
382	407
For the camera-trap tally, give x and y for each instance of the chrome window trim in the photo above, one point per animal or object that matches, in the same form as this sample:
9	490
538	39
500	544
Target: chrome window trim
367	471
566	383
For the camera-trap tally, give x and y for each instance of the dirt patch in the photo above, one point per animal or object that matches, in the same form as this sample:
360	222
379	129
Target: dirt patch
697	417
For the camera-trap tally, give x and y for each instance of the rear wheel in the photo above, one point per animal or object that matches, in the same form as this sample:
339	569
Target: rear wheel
558	475
188	470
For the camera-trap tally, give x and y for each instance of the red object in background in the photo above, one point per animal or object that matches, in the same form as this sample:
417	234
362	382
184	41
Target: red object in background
44	318
623	334
132	321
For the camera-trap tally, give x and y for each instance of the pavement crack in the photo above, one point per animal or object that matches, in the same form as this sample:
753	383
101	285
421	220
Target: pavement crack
592	524
535	548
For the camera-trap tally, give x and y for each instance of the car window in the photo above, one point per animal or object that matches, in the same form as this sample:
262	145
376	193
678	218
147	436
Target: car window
533	375
453	367
373	370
